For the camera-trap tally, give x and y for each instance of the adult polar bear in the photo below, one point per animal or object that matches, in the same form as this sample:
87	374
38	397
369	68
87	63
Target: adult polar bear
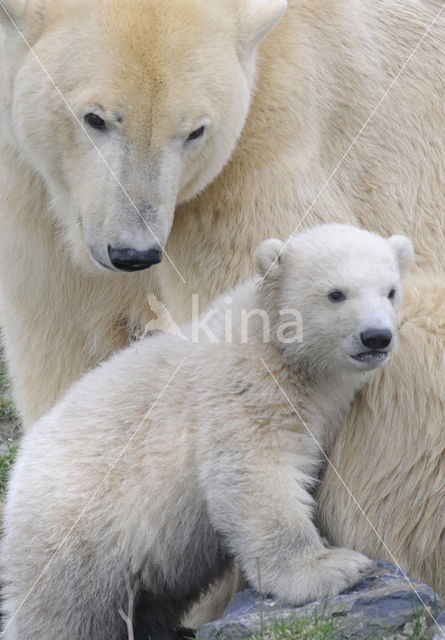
168	92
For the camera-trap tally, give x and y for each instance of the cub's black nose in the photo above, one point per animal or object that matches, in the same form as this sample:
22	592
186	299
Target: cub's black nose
134	260
376	338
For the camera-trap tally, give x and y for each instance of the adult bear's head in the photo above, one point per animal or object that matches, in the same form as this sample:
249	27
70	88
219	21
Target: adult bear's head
127	108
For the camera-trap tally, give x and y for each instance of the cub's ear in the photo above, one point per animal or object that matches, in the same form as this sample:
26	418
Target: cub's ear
12	11
403	249
268	257
18	13
255	19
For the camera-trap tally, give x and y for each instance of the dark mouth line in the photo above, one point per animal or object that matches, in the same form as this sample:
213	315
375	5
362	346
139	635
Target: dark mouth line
370	355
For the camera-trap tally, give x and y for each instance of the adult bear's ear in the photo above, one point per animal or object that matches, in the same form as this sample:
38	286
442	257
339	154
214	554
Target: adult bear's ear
268	257
255	19
403	249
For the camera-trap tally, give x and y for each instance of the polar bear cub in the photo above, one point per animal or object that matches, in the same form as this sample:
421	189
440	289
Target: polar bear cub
182	453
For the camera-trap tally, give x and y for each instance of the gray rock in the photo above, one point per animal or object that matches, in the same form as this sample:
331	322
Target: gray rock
439	629
382	605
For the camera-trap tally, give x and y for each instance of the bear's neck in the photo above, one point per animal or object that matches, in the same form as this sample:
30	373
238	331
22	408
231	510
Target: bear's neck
322	396
316	404
329	400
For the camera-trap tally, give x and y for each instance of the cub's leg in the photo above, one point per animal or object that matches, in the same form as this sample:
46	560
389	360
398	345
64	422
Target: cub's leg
214	602
79	592
265	514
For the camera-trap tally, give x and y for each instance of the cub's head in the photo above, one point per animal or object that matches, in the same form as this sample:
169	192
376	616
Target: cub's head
334	292
127	108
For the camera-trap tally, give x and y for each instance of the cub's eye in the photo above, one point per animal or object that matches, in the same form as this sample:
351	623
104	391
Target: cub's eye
95	121
336	296
392	294
198	133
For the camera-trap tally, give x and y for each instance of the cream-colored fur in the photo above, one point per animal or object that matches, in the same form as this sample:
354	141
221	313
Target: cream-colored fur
155	482
154	83
401	487
320	74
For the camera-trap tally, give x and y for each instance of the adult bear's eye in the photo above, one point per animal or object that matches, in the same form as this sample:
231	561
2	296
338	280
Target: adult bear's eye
197	133
392	294
336	296
95	121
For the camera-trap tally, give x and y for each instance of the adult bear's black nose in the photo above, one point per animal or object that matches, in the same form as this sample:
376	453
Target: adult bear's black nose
134	260
376	338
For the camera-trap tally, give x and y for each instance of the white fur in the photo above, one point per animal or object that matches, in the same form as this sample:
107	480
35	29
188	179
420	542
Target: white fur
60	206
309	88
168	471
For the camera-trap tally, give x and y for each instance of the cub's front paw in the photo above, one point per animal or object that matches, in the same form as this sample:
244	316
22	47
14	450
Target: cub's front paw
318	575
339	569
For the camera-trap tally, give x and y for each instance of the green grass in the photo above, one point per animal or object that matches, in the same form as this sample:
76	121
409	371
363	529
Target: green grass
318	627
7	412
3	377
322	627
9	430
6	461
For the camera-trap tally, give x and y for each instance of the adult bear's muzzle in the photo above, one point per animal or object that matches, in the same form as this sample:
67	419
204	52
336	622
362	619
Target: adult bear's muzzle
129	259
